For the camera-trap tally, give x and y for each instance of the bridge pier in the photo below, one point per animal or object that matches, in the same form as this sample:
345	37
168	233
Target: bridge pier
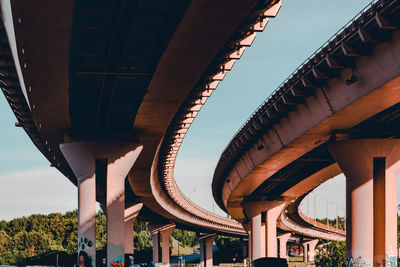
263	216
130	215
247	228
206	250
309	250
118	158
371	167
160	234
282	239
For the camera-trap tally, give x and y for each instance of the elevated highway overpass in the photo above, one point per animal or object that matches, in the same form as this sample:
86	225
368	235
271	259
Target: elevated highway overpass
101	86
338	112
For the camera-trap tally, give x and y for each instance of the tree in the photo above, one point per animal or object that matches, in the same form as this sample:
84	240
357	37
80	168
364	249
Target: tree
185	238
332	254
143	240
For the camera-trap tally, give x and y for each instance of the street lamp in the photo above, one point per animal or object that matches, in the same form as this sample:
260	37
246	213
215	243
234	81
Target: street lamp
315	209
344	217
337	218
327	211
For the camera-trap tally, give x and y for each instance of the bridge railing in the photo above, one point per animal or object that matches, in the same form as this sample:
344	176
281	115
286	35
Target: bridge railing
340	34
252	129
320	225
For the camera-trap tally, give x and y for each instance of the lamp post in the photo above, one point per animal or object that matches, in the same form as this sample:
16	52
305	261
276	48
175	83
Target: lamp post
344	217
308	209
327	212
315	209
337	218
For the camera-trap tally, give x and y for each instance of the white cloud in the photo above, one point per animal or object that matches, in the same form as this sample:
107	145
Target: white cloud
35	191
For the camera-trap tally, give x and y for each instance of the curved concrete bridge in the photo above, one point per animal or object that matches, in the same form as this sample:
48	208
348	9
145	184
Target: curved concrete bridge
338	112
107	90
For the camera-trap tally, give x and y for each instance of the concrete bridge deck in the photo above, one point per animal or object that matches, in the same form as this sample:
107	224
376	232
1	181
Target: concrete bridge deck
347	91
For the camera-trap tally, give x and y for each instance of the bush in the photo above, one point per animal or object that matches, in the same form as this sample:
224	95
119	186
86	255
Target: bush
332	254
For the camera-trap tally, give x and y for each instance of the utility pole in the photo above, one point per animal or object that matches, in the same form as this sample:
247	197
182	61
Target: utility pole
315	210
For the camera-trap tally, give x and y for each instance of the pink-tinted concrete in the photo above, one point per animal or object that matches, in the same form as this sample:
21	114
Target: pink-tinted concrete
156	246
120	160
247	228
120	157
282	240
82	164
206	252
309	250
161	253
263	216
370	166
270	230
130	216
332	108
257	237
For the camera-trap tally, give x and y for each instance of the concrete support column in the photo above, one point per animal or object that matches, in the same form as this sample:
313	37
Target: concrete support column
247	228
165	233
270	231
161	253
130	216
370	167
391	214
305	252
257	237
283	245
119	158
309	250
263	216
206	252
82	164
156	248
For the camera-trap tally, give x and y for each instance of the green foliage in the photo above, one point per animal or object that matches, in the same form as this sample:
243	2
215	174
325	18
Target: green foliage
185	238
30	237
230	250
332	254
340	222
398	231
224	241
142	240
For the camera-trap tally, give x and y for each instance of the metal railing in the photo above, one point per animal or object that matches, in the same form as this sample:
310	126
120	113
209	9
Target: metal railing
339	34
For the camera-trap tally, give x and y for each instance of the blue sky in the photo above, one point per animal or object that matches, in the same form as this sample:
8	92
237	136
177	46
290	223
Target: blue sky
29	185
